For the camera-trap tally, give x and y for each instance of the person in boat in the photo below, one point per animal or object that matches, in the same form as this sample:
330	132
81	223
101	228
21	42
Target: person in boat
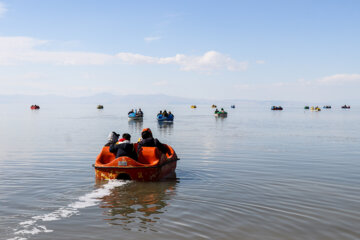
165	114
140	113
132	111
222	110
170	114
112	138
147	140
123	147
160	113
216	110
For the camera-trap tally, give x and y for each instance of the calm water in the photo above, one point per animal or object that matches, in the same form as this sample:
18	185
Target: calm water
257	174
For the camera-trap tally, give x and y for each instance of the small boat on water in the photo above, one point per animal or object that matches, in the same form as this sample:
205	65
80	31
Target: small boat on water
232	106
152	165
193	106
327	107
345	107
100	106
307	107
162	118
315	109
213	106
135	116
34	107
275	108
220	114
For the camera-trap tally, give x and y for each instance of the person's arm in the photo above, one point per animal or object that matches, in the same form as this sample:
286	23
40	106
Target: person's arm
113	148
160	146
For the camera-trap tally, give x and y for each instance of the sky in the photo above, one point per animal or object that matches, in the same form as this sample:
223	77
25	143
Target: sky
255	50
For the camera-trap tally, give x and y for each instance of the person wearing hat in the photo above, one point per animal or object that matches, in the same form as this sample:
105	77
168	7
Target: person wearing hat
147	140
123	147
112	138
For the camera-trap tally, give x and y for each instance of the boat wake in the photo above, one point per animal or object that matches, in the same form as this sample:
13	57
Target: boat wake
36	224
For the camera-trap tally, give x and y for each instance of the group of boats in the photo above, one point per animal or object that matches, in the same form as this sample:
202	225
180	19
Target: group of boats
318	109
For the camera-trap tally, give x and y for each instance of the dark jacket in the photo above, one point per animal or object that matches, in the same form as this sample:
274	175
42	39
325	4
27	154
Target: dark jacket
123	149
152	142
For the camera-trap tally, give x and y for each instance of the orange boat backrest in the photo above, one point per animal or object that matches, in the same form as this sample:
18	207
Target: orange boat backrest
106	156
149	155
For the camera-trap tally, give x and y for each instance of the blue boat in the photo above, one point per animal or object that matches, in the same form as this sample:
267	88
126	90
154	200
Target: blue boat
135	116
161	118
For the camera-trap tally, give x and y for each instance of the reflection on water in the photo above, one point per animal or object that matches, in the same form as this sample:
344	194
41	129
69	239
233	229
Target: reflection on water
135	125
138	206
166	127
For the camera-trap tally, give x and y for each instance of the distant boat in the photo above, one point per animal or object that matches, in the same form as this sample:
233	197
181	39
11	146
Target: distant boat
232	106
221	113
306	107
135	116
162	118
315	109
213	106
34	107
276	108
193	106
327	107
100	107
345	107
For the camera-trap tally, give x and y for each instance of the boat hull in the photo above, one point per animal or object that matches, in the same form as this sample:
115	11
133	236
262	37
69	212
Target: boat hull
220	114
154	173
161	118
136	118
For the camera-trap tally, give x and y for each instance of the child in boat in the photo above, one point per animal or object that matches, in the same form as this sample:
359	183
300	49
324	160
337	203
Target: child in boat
149	141
123	147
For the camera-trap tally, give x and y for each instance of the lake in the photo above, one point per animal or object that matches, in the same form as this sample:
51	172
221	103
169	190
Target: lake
257	174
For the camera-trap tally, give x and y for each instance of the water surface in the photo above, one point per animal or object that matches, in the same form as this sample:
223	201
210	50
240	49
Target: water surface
257	174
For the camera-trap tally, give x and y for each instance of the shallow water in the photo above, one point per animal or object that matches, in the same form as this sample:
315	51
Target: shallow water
257	174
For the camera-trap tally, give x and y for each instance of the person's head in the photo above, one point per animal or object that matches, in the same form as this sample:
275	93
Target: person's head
169	112
126	136
222	109
146	133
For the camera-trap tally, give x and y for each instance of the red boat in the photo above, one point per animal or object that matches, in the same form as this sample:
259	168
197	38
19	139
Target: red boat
152	165
33	107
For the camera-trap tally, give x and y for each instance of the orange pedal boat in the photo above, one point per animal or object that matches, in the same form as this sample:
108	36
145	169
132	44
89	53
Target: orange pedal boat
152	165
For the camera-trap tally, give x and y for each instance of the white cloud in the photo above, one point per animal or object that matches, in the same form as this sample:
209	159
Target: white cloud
260	62
18	50
160	83
211	60
3	9
339	79
151	39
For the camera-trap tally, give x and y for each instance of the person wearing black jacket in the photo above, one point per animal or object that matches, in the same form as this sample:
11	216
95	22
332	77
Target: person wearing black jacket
149	141
123	147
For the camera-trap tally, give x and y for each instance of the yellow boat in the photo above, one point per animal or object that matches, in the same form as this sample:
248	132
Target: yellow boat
193	106
315	109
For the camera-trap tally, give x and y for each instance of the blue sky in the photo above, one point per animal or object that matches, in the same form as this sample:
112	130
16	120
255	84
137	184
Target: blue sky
260	50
